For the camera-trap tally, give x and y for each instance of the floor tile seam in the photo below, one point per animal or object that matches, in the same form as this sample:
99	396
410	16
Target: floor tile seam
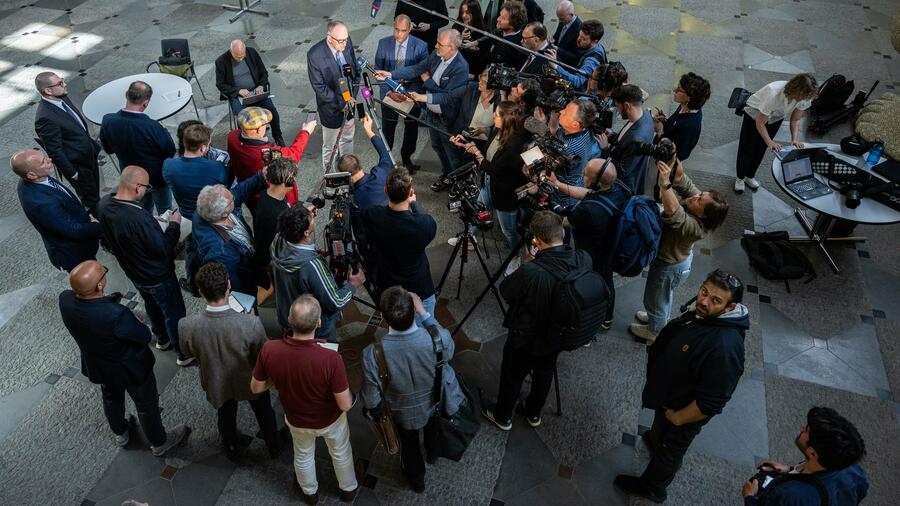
120	491
866	379
792	357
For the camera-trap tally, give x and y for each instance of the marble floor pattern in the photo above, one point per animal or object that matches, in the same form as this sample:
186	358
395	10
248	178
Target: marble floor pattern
831	342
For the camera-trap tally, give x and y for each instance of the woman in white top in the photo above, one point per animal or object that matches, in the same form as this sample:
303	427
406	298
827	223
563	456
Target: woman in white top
763	115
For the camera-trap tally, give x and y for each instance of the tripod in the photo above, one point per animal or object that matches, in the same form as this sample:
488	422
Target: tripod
463	239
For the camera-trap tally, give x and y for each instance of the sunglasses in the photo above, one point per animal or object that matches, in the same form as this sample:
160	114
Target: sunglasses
731	279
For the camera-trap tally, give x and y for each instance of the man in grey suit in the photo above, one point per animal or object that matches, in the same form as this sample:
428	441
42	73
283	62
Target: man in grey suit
226	343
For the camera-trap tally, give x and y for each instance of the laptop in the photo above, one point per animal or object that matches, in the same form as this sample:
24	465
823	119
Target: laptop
790	153
255	99
799	178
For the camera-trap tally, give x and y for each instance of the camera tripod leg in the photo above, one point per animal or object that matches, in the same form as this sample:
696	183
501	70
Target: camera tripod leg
449	264
365	303
556	386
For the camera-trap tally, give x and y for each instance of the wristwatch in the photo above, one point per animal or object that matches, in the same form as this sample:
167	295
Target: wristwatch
667	186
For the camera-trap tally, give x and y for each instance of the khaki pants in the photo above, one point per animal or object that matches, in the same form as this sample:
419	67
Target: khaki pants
337	437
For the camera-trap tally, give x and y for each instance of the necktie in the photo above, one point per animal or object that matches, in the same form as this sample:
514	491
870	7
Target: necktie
527	63
54	183
339	57
400	56
72	113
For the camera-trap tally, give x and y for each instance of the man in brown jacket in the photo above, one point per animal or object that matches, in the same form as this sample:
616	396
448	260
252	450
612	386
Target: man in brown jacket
226	343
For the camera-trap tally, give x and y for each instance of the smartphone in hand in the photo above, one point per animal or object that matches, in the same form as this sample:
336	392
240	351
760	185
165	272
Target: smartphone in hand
313	116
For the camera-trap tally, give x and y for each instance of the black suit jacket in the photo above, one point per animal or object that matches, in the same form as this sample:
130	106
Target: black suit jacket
68	144
324	76
225	73
69	235
567	49
537	66
113	342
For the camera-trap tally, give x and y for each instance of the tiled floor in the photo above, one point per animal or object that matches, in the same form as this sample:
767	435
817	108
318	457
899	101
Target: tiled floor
833	341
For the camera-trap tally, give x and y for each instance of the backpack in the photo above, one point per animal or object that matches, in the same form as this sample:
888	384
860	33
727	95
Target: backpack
580	300
638	230
775	258
833	93
810	479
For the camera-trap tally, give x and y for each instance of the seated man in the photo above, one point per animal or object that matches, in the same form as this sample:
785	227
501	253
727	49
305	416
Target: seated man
368	189
240	72
593	54
299	269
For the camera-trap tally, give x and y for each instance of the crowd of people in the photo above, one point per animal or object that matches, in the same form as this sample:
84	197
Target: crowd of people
694	359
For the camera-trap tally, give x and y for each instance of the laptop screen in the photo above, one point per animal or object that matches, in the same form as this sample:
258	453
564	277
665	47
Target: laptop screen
796	170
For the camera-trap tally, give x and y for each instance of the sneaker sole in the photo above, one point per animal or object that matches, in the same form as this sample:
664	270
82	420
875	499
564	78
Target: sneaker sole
534	425
490	418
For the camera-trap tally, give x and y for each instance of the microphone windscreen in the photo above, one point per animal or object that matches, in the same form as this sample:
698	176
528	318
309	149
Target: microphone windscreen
536	126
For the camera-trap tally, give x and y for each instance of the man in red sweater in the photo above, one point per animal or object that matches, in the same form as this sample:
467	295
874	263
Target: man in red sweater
247	142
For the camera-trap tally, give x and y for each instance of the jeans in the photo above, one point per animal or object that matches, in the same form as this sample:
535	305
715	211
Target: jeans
751	148
411	451
516	365
449	155
429	304
390	119
330	156
161	198
146	401
508	221
337	438
662	280
670	443
267	104
265	417
165	306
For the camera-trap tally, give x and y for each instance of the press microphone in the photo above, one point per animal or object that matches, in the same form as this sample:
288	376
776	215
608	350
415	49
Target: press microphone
348	70
366	90
376	6
345	94
536	126
393	85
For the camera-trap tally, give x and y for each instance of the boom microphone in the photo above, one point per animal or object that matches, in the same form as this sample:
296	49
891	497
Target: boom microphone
536	126
376	6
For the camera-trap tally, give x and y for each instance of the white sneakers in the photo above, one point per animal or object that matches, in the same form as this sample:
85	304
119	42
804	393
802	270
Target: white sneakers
752	183
453	240
738	186
642	317
749	182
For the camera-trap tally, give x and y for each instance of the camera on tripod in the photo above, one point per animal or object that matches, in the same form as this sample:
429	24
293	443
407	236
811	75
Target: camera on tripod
342	251
464	184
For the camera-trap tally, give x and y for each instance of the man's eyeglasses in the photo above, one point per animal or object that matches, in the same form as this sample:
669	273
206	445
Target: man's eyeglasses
729	278
147	186
105	271
337	40
401	30
58	83
531	37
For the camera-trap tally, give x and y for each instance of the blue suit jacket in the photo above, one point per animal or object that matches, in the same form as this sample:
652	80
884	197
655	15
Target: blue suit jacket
567	48
137	140
455	76
386	59
69	235
630	166
324	76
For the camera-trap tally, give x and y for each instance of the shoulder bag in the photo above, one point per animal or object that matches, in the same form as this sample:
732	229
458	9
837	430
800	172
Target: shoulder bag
383	425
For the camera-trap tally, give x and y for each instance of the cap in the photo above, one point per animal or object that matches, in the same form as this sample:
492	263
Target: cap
251	118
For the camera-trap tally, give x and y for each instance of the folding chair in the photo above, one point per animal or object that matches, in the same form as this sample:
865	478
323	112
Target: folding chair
176	60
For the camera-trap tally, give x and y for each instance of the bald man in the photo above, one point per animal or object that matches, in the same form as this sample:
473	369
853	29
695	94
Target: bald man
146	253
115	355
240	72
70	234
566	36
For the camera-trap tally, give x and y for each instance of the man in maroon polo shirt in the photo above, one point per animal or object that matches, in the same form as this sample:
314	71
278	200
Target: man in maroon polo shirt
312	385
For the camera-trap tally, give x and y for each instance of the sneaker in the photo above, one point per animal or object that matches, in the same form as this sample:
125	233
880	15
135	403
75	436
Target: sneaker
123	439
513	266
166	346
441	184
752	183
184	362
642	332
642	317
489	414
453	195
348	496
632	485
173	438
606	325
454	240
739	186
534	422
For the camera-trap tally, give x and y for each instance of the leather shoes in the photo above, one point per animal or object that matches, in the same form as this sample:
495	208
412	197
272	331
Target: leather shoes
307	498
632	485
411	167
348	496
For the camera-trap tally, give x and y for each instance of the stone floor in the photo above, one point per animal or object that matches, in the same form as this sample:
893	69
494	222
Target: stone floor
831	342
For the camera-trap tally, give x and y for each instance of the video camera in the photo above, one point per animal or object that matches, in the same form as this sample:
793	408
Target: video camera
556	93
464	184
544	157
501	77
342	251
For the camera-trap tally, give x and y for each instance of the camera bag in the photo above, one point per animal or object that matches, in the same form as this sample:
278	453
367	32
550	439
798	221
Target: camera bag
580	299
833	93
773	256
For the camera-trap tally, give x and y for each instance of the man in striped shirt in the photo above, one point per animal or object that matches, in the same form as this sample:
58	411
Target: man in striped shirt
298	269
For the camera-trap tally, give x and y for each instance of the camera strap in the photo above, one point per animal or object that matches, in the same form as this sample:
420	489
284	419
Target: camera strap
438	391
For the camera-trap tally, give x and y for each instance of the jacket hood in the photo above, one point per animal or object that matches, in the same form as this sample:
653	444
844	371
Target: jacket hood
287	257
562	258
738	318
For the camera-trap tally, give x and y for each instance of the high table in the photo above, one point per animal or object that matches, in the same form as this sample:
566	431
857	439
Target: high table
170	95
831	208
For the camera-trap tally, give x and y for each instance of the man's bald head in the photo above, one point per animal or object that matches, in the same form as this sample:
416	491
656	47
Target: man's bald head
133	174
31	164
86	278
592	171
238	50
565	11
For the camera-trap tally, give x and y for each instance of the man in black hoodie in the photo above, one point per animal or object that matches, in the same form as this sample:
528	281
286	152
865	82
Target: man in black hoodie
529	293
693	367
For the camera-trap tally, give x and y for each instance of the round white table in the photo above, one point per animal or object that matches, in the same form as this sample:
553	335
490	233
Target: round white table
831	207
170	95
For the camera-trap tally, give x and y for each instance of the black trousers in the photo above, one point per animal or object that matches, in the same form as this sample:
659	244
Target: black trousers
390	119
146	400
751	147
87	186
411	451
516	365
670	443
265	417
607	274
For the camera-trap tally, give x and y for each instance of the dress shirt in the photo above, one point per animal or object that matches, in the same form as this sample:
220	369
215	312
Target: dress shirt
68	110
436	77
562	33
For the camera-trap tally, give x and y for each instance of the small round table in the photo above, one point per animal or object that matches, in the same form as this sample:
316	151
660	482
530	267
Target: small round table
170	95
831	208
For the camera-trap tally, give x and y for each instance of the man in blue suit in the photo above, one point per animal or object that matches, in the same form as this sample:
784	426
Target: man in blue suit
70	234
637	130
368	189
138	140
327	61
566	36
401	50
444	71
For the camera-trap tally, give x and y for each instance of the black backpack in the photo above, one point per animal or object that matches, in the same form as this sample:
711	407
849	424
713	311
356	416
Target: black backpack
774	257
810	479
580	300
833	93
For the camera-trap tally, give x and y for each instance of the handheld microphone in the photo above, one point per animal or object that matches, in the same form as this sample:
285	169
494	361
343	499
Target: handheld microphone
393	85
345	94
376	6
348	70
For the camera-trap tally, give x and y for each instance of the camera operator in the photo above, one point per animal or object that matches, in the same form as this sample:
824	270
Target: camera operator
688	216
606	78
593	54
638	129
502	163
832	448
528	349
683	126
510	21
398	234
368	189
593	220
526	94
572	127
299	269
534	37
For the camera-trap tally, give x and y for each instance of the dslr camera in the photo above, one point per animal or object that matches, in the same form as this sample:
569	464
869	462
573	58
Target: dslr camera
464	184
662	151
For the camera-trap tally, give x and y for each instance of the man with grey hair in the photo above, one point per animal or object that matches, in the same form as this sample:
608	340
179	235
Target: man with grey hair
333	70
64	133
566	36
240	72
444	70
137	139
221	234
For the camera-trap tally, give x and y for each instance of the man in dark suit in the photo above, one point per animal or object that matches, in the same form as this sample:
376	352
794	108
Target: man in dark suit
401	50
628	100
64	133
240	72
138	140
70	234
446	71
534	37
566	36
327	63
115	355
424	25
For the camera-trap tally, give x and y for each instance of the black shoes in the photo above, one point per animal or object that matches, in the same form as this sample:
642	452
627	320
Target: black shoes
411	167
348	496
632	485
188	287
441	184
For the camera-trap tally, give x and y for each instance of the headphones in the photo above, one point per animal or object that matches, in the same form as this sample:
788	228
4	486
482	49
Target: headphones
596	184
